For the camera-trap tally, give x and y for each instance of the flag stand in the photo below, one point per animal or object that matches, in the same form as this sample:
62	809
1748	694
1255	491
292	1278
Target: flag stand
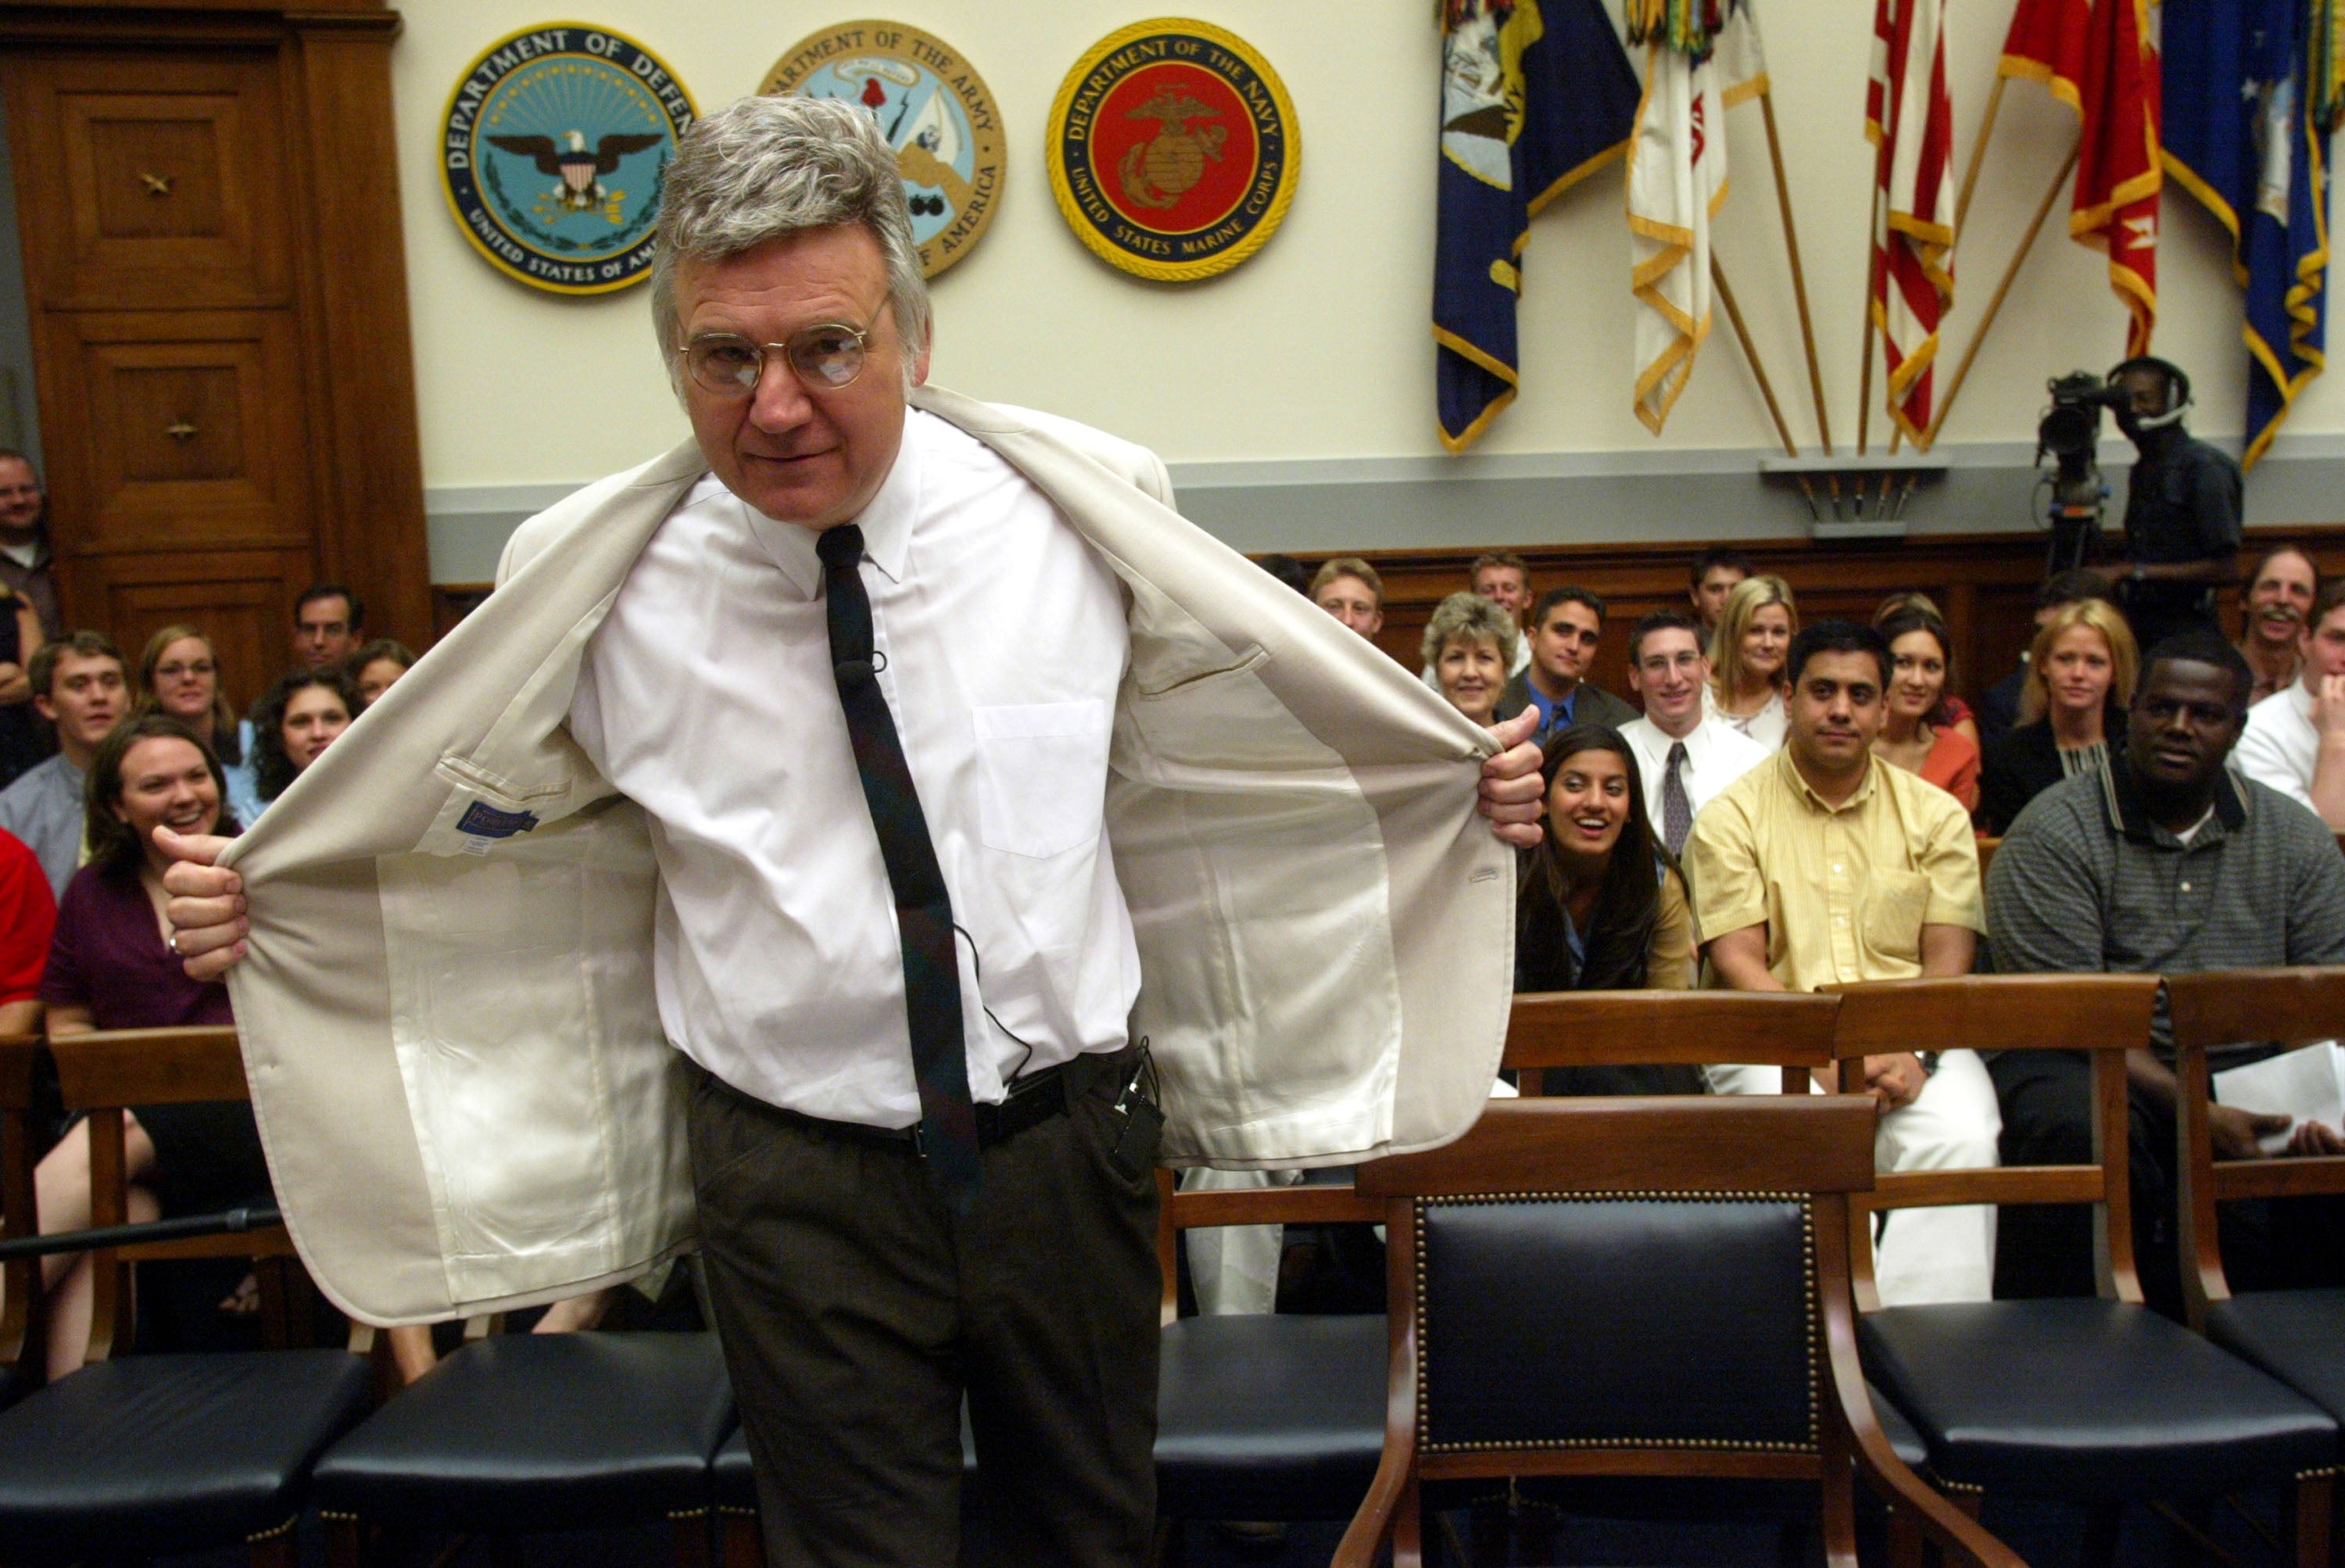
1873	263
1995	304
1799	276
1750	356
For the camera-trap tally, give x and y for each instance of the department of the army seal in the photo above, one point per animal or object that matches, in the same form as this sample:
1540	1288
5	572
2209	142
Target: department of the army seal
936	112
1174	149
551	153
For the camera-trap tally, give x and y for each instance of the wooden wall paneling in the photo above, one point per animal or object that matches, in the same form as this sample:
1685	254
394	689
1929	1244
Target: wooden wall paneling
371	531
193	434
239	598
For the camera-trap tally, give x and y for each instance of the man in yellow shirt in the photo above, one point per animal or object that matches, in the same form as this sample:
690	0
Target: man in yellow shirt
1823	866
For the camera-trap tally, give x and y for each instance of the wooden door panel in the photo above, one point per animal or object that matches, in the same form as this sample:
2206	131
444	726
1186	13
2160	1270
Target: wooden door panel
242	600
193	434
167	177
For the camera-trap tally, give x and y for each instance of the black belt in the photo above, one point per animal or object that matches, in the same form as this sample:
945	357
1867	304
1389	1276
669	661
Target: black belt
1032	1099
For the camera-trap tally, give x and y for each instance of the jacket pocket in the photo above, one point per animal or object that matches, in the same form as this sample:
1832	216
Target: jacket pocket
1894	904
1042	776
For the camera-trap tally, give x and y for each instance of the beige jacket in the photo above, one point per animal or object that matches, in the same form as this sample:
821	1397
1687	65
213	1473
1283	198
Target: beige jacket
449	1025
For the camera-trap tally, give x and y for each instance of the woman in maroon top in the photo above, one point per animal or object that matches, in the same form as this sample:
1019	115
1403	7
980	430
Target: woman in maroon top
109	968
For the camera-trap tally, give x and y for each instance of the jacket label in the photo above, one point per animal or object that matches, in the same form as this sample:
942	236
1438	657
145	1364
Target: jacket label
483	820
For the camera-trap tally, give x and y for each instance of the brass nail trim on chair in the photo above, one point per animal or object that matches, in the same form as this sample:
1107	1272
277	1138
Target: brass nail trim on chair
1712	1445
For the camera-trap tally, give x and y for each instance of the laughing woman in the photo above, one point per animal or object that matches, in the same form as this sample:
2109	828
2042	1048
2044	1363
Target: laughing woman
1601	905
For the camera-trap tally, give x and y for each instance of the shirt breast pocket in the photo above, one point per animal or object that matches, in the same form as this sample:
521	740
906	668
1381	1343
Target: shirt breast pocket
1894	904
1041	771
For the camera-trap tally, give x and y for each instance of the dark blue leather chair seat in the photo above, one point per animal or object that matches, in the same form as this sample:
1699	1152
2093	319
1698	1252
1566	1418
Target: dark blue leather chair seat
170	1453
1269	1417
2084	1398
524	1432
2297	1336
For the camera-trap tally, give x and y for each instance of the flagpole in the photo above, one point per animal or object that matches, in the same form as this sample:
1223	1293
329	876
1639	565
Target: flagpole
1799	276
1873	259
1978	155
2027	242
1750	355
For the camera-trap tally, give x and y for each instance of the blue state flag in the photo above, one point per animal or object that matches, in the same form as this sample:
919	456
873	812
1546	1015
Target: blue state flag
1536	96
2241	135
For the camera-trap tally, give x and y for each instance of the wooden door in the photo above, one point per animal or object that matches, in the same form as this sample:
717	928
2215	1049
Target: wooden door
205	463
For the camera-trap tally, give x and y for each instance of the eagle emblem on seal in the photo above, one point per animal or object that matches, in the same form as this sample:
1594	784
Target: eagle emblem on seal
1156	172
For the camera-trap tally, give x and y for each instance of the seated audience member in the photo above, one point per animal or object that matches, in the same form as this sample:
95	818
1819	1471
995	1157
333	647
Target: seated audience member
179	674
2080	676
1684	755
294	722
1715	573
1824	866
1349	589
1601	905
1468	644
79	689
375	666
1747	647
1504	578
1565	635
1915	733
22	745
328	625
109	968
2279	599
28	919
1952	712
1998	709
2295	739
2169	863
1285	568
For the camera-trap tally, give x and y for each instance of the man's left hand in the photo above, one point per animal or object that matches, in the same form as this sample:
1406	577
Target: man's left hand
1511	786
1895	1080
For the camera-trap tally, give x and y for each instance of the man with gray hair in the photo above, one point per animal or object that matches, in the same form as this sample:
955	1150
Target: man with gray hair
803	852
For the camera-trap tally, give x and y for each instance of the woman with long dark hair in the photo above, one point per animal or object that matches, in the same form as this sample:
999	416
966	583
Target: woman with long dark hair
293	723
1601	905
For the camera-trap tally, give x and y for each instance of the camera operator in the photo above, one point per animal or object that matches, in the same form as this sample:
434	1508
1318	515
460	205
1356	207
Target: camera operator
2182	508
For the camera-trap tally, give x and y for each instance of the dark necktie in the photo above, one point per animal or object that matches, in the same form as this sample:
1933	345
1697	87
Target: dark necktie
1677	810
924	922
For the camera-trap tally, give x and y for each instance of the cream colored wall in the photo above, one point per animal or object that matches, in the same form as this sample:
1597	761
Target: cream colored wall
1318	347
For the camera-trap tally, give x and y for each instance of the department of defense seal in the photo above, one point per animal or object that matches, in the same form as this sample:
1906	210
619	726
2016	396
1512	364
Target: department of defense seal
1174	149
551	153
936	112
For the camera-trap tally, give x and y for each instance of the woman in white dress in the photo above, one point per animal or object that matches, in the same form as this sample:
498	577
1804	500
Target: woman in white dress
1746	658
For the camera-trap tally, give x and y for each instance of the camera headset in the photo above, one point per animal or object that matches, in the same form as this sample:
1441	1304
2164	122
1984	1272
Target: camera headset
2177	389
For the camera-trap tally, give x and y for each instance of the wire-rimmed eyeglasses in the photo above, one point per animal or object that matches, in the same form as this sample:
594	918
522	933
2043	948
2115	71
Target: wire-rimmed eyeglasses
824	356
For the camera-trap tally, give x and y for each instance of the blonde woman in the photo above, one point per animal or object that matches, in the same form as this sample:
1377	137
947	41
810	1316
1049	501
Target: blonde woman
1469	645
2080	676
1746	658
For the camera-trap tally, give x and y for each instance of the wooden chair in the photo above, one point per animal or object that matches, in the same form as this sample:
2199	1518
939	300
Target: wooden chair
139	1455
1654	1028
1987	848
1653	1288
2091	1399
2297	1336
1264	1416
21	1317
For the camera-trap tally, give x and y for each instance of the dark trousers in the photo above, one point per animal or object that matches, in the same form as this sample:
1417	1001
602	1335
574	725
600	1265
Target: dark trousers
2046	1249
856	1310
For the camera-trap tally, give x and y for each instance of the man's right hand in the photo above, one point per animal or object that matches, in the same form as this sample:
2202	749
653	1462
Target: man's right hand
2236	1134
2329	707
207	911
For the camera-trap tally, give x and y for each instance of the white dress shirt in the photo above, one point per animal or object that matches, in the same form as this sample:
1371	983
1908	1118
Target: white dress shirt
707	697
2278	747
1716	754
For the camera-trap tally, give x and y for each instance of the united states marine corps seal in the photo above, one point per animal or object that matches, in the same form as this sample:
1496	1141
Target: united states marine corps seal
551	153
936	112
1174	149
